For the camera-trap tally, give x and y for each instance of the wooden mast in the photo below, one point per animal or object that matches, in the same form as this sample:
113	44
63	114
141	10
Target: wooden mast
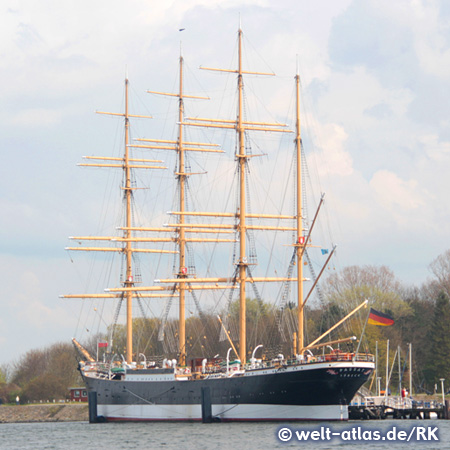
240	126
302	241
300	238
126	164
128	251
242	209
180	228
182	273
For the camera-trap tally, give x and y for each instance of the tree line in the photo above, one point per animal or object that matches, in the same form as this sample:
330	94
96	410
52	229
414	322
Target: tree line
421	314
40	375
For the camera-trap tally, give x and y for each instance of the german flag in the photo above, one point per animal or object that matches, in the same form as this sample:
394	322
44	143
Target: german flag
379	318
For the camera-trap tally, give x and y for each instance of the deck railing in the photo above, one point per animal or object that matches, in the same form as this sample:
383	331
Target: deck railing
108	368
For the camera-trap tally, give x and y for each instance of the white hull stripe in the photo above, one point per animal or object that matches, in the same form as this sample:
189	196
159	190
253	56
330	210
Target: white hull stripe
241	412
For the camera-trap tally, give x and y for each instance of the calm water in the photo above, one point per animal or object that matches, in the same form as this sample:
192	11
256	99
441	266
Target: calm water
82	435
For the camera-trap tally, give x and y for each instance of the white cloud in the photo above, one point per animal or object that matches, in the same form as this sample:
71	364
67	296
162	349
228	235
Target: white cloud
32	314
395	194
351	94
61	60
334	158
431	34
435	149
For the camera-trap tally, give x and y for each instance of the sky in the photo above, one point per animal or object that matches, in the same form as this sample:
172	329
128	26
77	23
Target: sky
376	81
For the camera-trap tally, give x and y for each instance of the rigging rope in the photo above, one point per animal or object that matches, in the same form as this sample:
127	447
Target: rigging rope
284	300
225	320
116	317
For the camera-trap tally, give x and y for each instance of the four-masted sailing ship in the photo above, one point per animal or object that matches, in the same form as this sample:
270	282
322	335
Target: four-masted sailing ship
303	386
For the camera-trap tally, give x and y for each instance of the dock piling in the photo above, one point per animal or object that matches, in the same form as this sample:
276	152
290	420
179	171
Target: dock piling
206	405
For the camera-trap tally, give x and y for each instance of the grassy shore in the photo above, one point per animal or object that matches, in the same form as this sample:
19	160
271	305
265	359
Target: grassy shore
67	412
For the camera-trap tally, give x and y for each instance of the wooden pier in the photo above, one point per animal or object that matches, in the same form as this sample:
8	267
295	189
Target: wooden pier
373	408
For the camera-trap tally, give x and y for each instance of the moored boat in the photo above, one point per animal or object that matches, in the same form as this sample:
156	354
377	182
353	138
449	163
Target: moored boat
303	386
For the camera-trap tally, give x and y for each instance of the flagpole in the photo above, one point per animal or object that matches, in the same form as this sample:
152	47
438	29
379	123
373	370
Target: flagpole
376	368
392	369
410	369
387	368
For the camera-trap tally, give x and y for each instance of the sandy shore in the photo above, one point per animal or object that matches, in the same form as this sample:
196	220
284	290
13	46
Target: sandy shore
44	413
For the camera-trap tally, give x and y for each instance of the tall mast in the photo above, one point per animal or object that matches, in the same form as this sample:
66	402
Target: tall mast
240	126
126	163
182	273
242	229
128	250
182	279
302	240
180	228
298	146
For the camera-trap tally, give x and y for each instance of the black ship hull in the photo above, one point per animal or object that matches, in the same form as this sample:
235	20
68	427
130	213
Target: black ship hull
317	391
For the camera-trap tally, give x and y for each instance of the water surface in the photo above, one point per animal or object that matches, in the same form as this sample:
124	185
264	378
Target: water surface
235	436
